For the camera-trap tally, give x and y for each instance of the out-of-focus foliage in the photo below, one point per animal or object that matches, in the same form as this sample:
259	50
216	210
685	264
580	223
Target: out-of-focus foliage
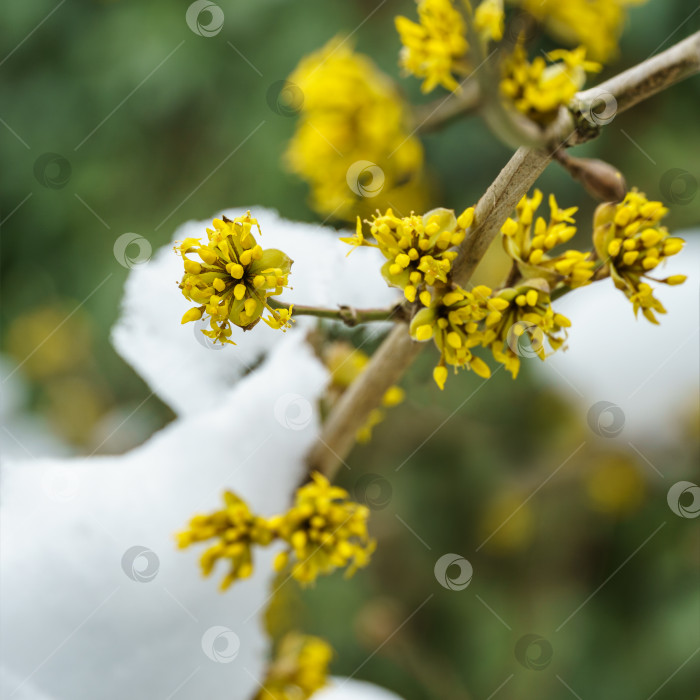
118	118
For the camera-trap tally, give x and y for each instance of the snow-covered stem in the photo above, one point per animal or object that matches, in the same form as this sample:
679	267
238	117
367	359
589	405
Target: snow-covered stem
398	351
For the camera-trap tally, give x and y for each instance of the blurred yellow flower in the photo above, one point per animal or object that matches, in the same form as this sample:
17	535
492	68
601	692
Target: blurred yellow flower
324	530
615	484
50	340
508	522
435	48
353	143
346	364
631	243
597	24
299	669
237	531
539	89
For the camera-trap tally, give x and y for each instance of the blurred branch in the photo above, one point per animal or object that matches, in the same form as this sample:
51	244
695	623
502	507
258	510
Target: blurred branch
398	351
438	113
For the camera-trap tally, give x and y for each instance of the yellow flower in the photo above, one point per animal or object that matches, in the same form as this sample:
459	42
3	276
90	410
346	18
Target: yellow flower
597	24
435	48
346	364
631	243
537	89
299	669
234	278
283	320
353	142
419	249
324	531
236	530
526	316
489	18
529	241
615	484
453	321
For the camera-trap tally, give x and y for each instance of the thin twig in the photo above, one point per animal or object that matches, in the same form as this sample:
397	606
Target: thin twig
349	315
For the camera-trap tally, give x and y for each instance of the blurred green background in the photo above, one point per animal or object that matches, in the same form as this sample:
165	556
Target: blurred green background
142	116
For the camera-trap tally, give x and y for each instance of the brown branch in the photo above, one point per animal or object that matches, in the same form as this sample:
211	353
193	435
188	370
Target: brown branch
398	351
647	78
435	114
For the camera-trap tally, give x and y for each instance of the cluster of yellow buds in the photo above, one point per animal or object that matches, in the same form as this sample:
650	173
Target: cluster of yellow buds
462	320
539	89
234	278
436	48
346	364
237	531
299	669
453	321
323	529
631	243
419	249
529	240
524	324
597	24
353	144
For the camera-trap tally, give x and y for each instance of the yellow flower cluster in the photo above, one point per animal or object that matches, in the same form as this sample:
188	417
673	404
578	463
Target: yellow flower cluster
528	241
237	531
539	89
353	140
436	48
631	243
346	364
299	669
419	249
323	529
597	24
233	278
462	320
